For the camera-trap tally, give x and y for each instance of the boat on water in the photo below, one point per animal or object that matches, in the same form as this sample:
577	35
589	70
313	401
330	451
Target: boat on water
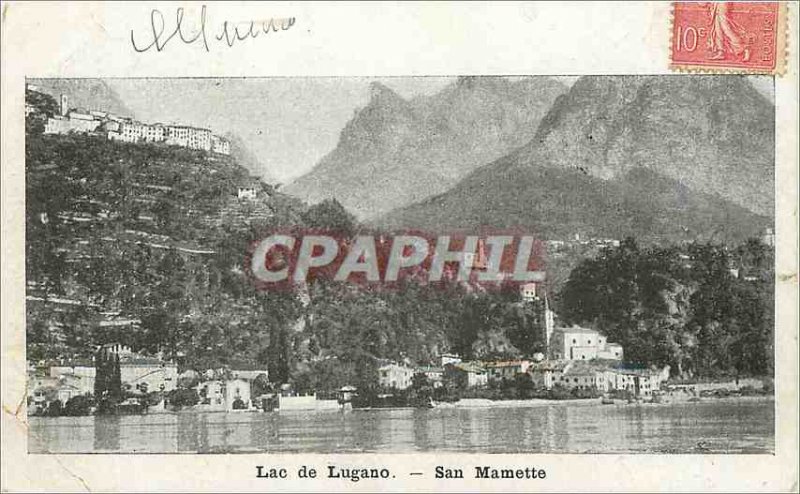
606	400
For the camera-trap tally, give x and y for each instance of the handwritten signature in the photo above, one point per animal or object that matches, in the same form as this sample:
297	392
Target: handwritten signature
229	32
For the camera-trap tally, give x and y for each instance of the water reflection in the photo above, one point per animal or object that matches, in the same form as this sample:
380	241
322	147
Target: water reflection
725	427
106	433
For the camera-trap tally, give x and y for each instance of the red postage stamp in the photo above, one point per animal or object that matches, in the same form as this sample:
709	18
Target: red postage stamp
747	37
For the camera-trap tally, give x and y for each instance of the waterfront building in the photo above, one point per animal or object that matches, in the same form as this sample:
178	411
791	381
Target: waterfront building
585	375
248	374
307	402
43	396
148	373
435	375
79	375
142	372
393	375
547	373
228	394
582	344
498	371
466	374
641	382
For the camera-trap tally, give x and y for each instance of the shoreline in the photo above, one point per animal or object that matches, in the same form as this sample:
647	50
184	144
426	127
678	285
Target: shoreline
535	402
466	404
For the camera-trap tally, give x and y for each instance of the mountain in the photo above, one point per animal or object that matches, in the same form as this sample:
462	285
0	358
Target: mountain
395	151
89	94
714	134
658	157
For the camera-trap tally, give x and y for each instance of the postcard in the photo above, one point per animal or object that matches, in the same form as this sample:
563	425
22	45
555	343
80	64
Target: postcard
484	247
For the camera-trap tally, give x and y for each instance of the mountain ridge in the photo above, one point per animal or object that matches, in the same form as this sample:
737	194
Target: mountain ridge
396	151
608	134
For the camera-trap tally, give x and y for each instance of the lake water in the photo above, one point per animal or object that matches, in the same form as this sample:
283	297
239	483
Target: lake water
728	426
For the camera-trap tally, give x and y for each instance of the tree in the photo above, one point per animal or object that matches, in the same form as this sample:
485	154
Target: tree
261	385
181	397
679	306
419	381
78	406
330	215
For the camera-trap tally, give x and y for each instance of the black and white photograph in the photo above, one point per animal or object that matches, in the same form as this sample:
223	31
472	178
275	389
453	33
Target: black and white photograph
463	264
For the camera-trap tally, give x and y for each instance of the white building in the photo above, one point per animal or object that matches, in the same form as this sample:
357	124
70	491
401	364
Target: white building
128	130
527	292
220	145
582	344
395	376
435	375
769	237
133	131
585	375
449	358
64	125
249	193
142	372
225	394
82	377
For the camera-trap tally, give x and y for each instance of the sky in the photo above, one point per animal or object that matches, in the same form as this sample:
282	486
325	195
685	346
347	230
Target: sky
288	123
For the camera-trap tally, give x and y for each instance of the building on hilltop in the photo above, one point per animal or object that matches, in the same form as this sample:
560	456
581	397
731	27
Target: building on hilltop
768	237
220	145
582	344
126	129
71	123
247	192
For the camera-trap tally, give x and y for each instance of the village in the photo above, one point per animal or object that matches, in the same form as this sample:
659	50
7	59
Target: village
579	361
126	129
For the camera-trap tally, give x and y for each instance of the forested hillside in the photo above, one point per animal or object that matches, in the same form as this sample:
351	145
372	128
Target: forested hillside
703	309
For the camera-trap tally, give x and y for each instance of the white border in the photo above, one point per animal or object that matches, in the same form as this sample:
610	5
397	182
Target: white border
49	39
